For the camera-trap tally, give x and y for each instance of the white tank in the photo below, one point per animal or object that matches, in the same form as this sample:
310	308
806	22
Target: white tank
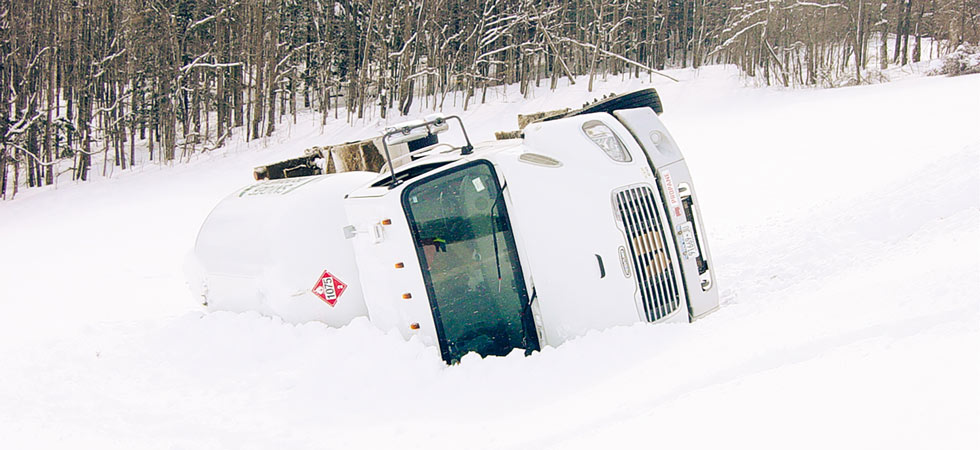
278	247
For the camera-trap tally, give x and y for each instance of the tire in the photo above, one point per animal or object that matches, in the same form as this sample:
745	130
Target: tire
637	99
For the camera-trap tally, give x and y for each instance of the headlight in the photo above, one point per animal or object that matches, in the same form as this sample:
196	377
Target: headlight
606	140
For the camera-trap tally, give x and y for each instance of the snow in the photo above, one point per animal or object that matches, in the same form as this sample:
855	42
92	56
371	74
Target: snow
844	224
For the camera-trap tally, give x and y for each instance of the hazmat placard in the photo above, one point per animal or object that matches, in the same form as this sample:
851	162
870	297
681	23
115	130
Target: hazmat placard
329	288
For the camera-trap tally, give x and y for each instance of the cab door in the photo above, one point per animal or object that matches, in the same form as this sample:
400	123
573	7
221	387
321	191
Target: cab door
469	261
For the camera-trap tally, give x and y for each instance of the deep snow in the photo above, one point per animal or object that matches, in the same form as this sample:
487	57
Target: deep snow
845	227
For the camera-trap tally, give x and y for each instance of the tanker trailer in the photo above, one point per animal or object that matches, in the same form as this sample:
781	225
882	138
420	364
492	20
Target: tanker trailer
277	247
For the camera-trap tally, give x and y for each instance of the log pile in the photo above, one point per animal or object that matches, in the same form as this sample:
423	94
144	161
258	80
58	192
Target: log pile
523	120
350	156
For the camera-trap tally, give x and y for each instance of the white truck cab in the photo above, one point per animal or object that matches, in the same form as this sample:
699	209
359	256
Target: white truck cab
588	221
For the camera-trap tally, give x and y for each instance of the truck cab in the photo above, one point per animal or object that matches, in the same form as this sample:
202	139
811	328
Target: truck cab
528	242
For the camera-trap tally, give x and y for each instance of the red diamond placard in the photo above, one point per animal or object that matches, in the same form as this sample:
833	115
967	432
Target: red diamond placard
329	288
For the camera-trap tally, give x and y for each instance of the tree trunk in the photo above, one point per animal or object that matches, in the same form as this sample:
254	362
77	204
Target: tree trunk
906	29
858	52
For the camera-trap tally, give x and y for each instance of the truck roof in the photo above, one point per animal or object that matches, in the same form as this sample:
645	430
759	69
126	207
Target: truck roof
429	159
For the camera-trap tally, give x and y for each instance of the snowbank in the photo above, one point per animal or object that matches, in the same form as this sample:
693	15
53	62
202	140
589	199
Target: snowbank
845	226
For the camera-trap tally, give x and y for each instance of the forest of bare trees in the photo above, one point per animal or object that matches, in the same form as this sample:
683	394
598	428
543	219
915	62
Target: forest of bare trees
87	80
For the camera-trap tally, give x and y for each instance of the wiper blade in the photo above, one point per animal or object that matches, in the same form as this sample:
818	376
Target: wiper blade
493	233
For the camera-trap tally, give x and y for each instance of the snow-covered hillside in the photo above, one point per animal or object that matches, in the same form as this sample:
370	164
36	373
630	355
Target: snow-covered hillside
844	224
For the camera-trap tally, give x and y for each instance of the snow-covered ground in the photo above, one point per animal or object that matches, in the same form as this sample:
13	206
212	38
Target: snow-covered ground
845	227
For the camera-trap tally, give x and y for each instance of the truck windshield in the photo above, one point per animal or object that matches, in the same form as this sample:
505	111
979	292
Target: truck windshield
469	261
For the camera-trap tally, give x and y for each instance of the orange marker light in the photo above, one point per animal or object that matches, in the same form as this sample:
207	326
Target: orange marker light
406	296
386	222
414	326
399	265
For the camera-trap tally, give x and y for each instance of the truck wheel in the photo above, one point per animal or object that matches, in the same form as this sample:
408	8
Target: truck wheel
637	99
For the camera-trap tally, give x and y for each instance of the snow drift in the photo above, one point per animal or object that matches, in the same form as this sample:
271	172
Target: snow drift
845	230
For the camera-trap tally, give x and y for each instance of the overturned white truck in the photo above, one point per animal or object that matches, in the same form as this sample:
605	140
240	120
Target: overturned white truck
586	220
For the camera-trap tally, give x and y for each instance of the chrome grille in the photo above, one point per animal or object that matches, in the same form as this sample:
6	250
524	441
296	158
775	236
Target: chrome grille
648	243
